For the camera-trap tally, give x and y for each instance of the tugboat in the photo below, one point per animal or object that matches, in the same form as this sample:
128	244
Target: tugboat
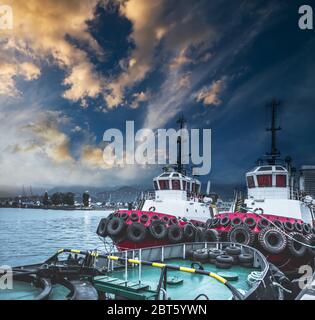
175	212
274	217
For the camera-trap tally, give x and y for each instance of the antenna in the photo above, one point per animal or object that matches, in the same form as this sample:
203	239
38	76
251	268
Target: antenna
208	187
274	152
181	121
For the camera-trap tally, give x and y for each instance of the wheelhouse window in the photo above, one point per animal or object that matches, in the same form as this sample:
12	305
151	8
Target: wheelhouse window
156	187
188	186
184	184
281	180
264	180
175	184
250	182
193	187
164	184
265	168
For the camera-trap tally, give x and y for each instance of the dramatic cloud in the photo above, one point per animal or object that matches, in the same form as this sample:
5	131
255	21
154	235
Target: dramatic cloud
138	98
153	25
42	32
8	71
211	95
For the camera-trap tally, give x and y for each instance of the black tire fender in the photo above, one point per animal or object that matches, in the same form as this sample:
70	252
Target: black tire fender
233	251
200	255
278	224
297	249
136	232
288	226
225	221
224	258
263	223
246	258
250	222
298	227
173	221
272	240
211	235
165	219
237	221
311	241
189	232
307	228
134	217
175	234
241	234
213	253
115	226
124	216
158	230
102	228
144	218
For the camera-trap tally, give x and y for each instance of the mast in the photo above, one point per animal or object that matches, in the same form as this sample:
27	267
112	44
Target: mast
274	152
181	121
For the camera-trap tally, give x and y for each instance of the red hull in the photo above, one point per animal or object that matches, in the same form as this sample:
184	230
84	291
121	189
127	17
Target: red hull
284	260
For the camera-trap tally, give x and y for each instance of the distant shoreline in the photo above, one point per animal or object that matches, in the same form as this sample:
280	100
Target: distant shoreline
61	208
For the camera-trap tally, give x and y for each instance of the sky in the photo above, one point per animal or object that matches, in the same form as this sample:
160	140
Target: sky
69	70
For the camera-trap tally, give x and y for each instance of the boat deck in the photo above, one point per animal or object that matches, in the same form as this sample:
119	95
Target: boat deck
186	285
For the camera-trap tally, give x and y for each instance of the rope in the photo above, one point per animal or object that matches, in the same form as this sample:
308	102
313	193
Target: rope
286	234
254	277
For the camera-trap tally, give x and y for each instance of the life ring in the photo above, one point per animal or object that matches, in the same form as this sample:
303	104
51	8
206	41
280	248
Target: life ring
152	209
259	209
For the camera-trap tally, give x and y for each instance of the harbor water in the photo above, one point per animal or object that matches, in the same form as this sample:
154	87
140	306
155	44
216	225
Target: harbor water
32	235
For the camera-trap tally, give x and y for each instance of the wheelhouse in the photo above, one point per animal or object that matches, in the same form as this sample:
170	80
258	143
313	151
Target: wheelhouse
176	181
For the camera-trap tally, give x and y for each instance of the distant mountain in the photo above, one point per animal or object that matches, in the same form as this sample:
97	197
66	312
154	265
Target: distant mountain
117	194
99	194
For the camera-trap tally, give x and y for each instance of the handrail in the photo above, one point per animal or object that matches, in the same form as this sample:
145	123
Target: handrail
213	275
